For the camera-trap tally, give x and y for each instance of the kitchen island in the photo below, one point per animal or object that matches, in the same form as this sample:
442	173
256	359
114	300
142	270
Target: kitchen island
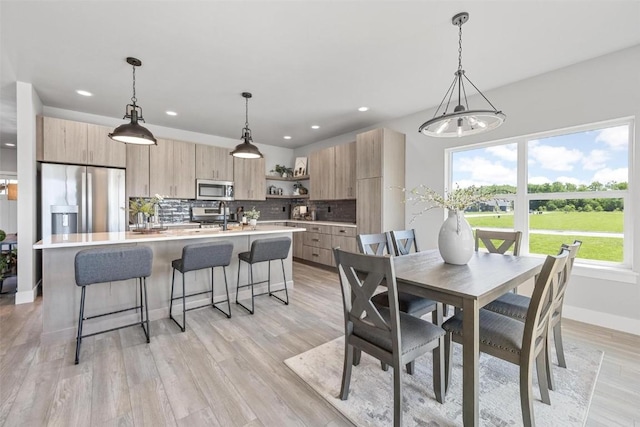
61	296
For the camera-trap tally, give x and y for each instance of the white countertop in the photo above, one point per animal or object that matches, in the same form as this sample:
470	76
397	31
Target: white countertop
302	221
113	238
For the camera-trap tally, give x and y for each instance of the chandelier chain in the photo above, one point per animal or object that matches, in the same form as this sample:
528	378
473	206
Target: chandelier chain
246	112
460	46
133	98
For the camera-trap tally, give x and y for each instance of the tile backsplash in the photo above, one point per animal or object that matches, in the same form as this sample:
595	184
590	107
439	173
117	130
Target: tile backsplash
179	210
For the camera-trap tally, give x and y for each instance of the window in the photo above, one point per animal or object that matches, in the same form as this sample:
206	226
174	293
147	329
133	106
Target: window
557	187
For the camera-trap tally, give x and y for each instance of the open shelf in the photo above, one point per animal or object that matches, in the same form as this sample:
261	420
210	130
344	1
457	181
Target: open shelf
289	178
286	196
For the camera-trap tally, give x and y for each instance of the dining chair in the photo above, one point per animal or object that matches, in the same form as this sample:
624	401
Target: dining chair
403	241
386	333
505	240
382	244
514	341
516	307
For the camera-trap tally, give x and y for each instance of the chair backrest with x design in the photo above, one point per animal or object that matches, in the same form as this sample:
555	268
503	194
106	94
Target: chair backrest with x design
506	239
561	288
360	276
374	244
403	241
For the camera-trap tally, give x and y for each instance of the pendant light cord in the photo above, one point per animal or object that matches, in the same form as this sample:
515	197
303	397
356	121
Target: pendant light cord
133	98
246	112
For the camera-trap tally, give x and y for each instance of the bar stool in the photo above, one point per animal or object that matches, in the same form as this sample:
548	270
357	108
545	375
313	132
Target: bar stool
264	250
197	257
94	266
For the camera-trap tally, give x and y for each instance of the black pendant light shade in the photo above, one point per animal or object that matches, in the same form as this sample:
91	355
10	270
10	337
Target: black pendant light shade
462	121
246	150
133	132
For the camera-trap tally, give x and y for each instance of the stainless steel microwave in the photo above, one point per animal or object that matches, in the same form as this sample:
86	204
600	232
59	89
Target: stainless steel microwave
207	189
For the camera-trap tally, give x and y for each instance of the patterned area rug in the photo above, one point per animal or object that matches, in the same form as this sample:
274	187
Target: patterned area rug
370	400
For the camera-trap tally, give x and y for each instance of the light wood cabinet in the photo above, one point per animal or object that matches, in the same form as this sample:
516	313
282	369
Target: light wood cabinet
322	174
248	177
380	166
213	163
104	151
137	173
345	171
67	141
317	243
172	169
62	141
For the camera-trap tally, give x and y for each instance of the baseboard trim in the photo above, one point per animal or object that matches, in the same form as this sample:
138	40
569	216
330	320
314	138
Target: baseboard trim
605	320
26	297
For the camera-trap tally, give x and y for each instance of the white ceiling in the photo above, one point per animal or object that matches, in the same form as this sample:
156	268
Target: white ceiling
306	62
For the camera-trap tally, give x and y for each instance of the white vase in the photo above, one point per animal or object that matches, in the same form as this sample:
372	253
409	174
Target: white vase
455	240
253	223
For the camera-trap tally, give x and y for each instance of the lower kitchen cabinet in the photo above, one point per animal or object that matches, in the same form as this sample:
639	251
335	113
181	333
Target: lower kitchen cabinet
317	243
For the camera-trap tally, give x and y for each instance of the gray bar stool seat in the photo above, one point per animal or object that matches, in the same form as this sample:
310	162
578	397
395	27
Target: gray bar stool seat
105	265
197	257
264	250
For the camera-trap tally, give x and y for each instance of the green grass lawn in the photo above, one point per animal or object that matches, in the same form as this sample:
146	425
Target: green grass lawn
596	248
611	222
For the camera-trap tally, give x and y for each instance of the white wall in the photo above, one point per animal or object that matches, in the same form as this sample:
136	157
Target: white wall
28	107
8	160
592	91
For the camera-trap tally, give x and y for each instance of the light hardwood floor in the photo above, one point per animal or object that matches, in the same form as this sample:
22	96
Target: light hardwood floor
225	372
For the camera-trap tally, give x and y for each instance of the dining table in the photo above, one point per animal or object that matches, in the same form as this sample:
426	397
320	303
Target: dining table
470	287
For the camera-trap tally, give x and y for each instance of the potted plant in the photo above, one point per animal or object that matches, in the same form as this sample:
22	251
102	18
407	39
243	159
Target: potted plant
143	208
282	171
252	216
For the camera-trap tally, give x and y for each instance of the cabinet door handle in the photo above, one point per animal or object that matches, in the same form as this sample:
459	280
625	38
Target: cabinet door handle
343	231
145	189
315	255
315	240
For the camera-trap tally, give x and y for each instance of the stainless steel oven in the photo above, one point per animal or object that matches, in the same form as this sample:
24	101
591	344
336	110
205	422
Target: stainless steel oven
207	189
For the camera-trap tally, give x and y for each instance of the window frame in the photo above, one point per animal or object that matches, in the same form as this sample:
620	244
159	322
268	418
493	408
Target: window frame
522	198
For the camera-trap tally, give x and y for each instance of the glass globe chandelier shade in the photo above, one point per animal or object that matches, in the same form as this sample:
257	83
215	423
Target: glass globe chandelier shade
133	132
246	150
462	121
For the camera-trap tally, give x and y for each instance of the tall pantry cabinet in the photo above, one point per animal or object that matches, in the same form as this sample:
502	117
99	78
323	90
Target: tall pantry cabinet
380	174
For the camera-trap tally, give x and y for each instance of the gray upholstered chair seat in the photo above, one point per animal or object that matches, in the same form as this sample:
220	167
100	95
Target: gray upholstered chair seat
496	330
415	332
407	303
512	305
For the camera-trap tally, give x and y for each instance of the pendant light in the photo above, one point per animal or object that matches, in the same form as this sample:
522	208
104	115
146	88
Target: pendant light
462	121
133	133
246	150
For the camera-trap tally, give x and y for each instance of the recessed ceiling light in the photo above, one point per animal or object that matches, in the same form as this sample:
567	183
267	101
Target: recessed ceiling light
171	113
287	137
363	109
84	93
315	127
9	144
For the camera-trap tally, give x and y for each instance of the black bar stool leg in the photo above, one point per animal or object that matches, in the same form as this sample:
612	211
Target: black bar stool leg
79	337
250	283
146	310
226	287
173	279
252	293
269	277
139	280
212	288
184	306
284	277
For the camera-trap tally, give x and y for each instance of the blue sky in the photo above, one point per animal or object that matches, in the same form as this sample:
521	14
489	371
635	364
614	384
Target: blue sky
577	158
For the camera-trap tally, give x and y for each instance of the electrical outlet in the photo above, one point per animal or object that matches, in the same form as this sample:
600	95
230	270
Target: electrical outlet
329	209
284	209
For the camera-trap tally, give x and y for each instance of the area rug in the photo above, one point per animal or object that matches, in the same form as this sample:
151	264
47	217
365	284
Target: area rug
370	401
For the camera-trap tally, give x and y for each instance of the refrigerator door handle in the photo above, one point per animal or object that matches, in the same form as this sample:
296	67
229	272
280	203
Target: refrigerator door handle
89	203
83	203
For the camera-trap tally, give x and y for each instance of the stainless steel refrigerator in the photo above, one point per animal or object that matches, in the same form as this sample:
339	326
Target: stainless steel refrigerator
82	199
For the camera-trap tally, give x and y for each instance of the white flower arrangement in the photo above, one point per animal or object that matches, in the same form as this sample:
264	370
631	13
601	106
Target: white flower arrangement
252	214
457	200
143	205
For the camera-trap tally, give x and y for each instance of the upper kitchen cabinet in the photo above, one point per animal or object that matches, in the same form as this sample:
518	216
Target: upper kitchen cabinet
248	179
213	163
322	174
377	153
137	174
380	158
104	151
66	141
345	185
62	141
172	171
